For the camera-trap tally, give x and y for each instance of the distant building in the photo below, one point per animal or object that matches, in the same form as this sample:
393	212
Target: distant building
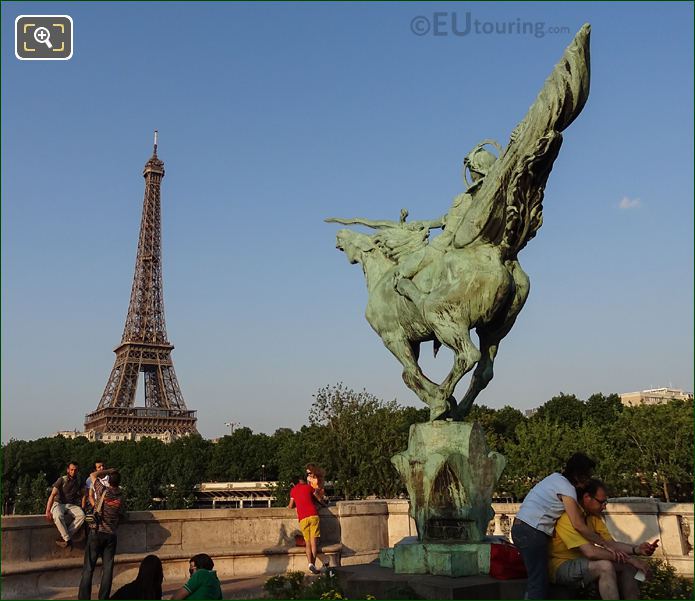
234	495
93	436
530	412
654	396
70	434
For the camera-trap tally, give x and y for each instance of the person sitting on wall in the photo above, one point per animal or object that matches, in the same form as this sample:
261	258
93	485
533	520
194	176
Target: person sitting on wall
576	561
203	582
66	498
535	521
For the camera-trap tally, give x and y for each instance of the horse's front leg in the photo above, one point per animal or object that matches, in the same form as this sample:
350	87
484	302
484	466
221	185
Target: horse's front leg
414	378
490	338
465	357
482	376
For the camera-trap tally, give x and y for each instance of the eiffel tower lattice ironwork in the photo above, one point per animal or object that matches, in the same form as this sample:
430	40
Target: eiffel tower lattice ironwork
144	346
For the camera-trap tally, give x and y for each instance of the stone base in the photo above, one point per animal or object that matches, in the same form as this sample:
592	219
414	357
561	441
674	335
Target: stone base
450	475
384	583
439	559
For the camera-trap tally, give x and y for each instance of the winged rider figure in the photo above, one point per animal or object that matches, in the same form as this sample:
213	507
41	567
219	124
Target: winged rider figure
469	277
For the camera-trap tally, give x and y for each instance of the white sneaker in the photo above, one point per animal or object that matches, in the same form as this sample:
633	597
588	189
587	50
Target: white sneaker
312	569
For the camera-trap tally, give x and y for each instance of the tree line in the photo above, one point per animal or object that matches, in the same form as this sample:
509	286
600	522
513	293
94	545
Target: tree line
640	451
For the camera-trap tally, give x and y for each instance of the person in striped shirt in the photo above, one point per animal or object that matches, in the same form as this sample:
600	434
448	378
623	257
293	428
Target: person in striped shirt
102	538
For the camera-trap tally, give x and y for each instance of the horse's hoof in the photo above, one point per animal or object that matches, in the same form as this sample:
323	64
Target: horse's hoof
446	410
439	412
461	412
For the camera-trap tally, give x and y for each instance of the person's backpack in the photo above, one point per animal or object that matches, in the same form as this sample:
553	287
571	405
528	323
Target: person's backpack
94	519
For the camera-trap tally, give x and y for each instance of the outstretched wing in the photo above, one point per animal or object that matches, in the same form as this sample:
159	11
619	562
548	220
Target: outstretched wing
507	209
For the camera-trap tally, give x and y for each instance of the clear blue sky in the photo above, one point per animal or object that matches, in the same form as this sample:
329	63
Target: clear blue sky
275	116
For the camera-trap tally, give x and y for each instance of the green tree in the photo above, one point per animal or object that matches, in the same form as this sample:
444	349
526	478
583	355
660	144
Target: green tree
23	501
542	448
241	455
11	471
40	489
294	452
485	416
187	461
357	434
602	410
31	494
564	409
499	424
660	449
506	422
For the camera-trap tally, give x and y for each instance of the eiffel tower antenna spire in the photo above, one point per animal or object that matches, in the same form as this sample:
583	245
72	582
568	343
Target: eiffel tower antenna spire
144	345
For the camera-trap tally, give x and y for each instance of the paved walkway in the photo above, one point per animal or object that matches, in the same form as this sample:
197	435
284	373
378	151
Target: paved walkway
234	588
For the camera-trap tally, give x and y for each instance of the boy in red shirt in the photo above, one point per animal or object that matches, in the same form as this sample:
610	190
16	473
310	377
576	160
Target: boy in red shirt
302	497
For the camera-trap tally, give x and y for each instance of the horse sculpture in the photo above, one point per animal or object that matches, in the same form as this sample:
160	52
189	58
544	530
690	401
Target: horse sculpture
468	277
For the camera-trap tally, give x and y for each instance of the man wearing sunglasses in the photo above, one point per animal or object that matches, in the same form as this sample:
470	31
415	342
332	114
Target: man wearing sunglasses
203	582
576	561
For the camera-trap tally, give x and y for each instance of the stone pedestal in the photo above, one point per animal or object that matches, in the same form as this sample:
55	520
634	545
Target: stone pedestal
450	475
439	559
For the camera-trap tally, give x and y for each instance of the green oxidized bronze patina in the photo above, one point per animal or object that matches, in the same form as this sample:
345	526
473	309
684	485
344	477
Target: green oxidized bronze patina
469	276
450	476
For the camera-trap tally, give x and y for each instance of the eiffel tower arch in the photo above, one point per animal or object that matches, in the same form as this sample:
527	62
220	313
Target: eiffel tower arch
144	347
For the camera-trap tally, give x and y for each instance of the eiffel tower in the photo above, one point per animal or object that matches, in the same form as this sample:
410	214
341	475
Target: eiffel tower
144	346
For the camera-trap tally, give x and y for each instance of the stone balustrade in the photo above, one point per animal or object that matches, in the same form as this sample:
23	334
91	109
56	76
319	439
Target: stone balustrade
252	542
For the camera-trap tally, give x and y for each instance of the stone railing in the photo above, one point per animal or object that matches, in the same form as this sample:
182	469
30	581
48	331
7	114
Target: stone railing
243	543
631	520
252	542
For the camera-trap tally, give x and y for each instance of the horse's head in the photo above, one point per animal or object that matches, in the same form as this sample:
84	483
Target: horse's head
360	248
353	244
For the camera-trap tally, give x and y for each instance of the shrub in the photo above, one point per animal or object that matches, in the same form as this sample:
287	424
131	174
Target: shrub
665	583
324	587
285	586
291	586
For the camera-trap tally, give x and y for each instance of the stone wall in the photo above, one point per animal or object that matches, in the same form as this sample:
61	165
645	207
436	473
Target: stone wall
31	538
383	523
243	543
258	541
